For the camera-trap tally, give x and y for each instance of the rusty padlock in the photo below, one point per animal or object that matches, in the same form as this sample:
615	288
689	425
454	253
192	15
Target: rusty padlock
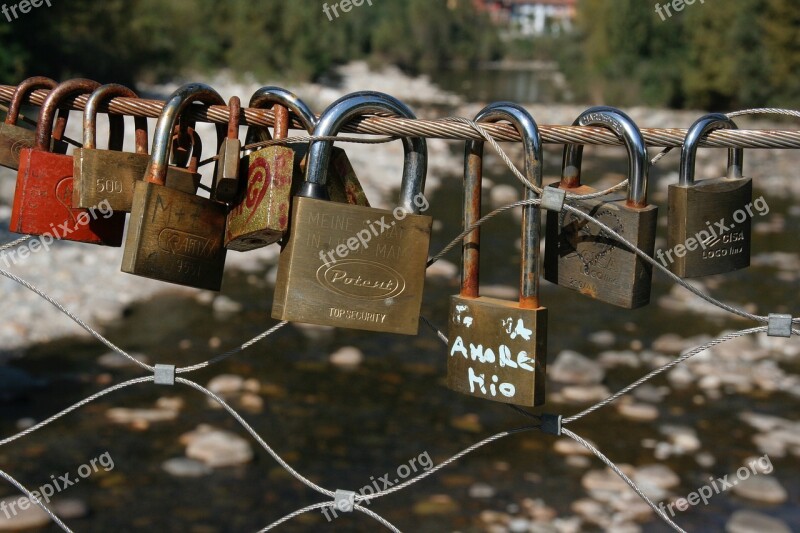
699	210
14	138
497	349
353	266
260	216
585	258
43	197
108	175
175	236
226	174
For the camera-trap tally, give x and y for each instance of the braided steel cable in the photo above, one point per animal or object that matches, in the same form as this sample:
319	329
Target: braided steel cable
444	128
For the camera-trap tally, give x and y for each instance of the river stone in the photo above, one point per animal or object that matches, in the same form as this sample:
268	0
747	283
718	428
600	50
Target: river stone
574	368
217	448
226	384
183	467
70	508
30	518
658	475
752	522
502	195
638	412
347	357
761	488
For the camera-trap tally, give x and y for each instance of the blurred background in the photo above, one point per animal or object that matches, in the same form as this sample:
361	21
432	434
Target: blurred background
344	406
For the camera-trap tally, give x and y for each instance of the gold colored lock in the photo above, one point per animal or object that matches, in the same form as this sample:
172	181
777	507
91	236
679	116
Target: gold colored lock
698	209
353	266
497	349
14	138
175	236
583	257
108	175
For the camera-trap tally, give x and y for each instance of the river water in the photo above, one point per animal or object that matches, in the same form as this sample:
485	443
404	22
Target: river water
343	427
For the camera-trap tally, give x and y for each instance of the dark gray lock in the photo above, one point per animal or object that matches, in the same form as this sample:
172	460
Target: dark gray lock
709	227
579	254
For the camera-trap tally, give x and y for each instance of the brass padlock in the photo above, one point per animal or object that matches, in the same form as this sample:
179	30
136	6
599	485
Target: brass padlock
260	216
175	236
43	195
497	349
226	176
14	138
706	234
583	257
353	266
108	175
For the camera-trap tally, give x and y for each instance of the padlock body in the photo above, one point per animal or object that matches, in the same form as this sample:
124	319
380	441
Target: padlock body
261	216
43	203
254	225
709	227
12	140
342	183
497	351
176	237
226	178
353	267
582	257
106	175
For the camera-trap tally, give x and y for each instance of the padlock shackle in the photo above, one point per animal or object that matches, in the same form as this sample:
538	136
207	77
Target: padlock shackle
25	88
343	111
176	103
270	95
702	127
185	140
235	111
116	136
74	87
626	131
524	123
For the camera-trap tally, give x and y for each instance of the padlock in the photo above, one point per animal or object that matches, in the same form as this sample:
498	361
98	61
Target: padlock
260	216
353	266
226	176
581	256
175	236
108	175
497	349
706	234
14	138
43	197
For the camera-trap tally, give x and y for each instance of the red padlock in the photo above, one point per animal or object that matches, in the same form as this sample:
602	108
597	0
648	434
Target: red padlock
13	137
43	198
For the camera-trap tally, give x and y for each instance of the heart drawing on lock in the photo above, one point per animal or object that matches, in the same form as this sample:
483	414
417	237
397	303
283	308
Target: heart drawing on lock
64	196
587	241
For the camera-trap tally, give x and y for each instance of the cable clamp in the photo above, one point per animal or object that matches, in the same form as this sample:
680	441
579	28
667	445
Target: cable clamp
780	325
165	374
553	199
551	424
344	500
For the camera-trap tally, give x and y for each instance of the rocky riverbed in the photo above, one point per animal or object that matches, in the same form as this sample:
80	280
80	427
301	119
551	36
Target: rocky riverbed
367	403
